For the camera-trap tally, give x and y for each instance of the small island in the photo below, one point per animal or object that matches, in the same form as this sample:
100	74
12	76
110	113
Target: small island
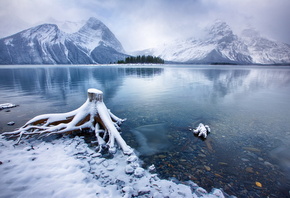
142	59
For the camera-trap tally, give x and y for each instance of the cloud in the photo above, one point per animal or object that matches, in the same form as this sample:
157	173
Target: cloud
142	24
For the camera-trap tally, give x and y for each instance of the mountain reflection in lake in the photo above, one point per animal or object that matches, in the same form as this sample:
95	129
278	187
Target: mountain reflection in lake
247	108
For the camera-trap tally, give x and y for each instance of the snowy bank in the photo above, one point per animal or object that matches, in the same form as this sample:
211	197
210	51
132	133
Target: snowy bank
67	167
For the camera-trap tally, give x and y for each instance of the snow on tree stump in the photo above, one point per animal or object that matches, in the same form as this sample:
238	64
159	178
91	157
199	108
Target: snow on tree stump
93	115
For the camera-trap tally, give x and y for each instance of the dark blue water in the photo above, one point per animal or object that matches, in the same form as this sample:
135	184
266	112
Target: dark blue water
246	107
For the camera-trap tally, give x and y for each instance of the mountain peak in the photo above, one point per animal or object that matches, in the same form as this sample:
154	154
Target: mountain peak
45	28
94	24
94	32
220	32
42	31
220	28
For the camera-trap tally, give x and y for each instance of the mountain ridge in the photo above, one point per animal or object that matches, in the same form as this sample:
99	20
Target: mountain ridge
221	46
47	44
94	43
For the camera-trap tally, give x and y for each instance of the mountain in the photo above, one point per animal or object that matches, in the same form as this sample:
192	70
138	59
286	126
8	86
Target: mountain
47	44
221	46
265	51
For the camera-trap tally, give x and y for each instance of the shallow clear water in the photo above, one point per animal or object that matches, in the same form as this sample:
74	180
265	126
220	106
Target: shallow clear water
246	107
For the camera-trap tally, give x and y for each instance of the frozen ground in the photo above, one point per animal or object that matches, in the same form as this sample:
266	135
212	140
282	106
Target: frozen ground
67	167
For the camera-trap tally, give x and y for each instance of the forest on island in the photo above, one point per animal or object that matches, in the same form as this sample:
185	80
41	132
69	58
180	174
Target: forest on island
142	59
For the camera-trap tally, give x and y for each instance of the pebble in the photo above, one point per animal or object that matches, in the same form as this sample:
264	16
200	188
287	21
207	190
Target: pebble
139	172
269	164
111	167
207	168
151	168
218	175
223	163
252	149
201	155
132	158
129	169
162	156
249	170
258	184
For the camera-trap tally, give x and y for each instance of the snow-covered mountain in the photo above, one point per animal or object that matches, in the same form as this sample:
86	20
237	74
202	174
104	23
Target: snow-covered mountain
221	45
265	51
47	44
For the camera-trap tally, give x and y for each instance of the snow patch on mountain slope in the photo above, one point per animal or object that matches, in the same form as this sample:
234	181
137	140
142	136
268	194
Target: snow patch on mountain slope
9	41
87	39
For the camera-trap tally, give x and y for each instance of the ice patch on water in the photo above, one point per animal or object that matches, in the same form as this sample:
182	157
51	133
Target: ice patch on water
151	138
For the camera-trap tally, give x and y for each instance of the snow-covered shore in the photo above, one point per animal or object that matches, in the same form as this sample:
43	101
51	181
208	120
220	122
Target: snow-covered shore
67	167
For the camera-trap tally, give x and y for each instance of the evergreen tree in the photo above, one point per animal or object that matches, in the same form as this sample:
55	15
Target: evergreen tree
141	59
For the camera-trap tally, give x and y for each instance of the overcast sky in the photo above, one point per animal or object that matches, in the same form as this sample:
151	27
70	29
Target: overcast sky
141	24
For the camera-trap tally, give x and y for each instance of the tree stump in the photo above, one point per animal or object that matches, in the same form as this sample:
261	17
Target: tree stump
93	115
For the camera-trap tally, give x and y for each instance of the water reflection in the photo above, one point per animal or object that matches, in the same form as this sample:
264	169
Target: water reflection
225	81
54	83
144	72
51	83
219	83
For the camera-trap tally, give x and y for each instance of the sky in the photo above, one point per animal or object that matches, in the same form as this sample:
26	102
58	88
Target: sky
142	24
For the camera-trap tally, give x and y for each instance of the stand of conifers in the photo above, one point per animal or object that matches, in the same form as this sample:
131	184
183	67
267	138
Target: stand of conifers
93	115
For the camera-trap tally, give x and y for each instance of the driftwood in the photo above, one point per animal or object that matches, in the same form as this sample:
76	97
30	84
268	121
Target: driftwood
93	115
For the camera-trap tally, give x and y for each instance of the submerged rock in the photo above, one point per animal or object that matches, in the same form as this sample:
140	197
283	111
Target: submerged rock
207	168
152	168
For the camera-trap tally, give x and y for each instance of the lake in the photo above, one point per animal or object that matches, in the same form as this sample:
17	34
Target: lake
246	107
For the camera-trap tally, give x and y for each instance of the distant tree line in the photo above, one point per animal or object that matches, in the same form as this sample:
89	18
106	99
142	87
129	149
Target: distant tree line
142	59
